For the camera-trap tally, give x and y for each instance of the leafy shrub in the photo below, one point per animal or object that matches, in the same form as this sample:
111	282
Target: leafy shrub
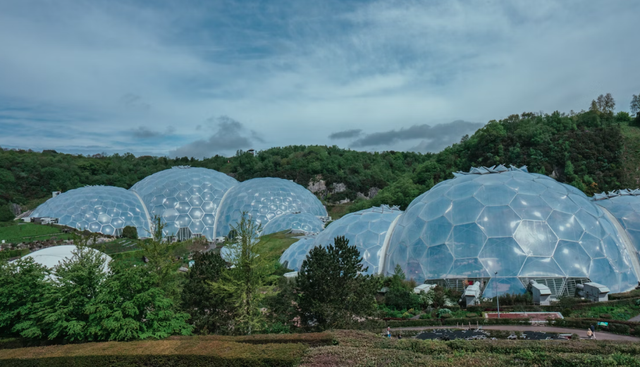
444	313
130	232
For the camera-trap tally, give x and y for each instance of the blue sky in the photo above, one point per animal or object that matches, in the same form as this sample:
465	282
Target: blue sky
200	78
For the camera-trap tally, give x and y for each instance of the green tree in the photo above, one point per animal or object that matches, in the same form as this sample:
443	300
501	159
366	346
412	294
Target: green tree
400	295
249	272
130	306
635	104
62	313
332	289
5	213
130	232
210	311
24	283
162	261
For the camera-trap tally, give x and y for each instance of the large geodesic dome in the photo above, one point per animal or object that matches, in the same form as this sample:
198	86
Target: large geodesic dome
300	222
101	209
264	199
367	230
624	205
185	197
508	226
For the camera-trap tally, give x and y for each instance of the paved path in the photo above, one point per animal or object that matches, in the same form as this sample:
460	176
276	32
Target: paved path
601	335
635	319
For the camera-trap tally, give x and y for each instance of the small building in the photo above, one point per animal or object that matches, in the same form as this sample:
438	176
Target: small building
472	294
541	294
44	220
595	292
55	193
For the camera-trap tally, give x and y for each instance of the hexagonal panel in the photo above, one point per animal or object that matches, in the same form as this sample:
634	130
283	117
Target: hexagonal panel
502	255
466	240
498	221
536	238
603	273
530	207
560	202
541	267
589	223
464	211
436	231
592	245
495	195
468	268
526	187
463	190
435	208
438	262
565	226
572	258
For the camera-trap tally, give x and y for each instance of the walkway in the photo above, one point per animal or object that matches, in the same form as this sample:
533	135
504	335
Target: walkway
601	335
635	319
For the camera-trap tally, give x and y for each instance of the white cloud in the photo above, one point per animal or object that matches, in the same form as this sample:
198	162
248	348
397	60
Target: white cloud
299	72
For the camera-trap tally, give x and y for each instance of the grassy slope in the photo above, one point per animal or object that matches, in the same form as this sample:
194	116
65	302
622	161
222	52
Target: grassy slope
27	232
631	157
273	245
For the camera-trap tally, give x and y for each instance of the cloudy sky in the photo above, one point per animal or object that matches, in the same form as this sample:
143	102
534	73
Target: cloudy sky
199	78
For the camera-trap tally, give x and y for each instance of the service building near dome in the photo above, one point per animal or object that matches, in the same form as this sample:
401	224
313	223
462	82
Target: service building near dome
498	227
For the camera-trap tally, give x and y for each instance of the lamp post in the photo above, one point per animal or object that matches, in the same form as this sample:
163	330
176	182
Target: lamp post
495	280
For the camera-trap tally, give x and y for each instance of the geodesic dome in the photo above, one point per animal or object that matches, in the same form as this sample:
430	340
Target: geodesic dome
264	199
303	222
185	197
521	225
297	252
52	256
101	209
624	205
366	229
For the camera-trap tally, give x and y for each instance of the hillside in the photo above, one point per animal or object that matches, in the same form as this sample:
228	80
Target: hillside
592	150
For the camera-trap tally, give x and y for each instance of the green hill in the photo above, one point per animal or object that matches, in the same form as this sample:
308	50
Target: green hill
592	150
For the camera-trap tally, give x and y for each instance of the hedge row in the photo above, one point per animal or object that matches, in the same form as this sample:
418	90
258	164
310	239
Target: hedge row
310	339
377	324
192	353
351	356
615	326
431	347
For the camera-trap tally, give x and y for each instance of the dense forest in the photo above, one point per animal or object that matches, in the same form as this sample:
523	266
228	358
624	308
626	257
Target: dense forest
584	149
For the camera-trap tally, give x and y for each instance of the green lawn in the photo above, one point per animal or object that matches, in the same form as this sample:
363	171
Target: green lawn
27	232
617	312
273	245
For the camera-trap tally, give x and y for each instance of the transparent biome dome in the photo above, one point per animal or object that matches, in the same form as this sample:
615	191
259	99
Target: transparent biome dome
185	197
303	222
53	256
624	205
296	253
366	229
100	209
264	199
522	226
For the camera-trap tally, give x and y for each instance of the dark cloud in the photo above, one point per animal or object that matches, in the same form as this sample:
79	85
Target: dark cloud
143	132
435	138
230	136
347	134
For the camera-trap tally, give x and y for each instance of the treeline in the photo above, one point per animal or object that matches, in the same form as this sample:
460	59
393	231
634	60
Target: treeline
583	149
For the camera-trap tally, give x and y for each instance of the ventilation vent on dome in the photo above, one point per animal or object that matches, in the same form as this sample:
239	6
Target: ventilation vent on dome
493	169
612	194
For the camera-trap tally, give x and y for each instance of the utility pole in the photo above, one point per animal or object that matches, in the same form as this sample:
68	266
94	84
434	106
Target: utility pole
495	280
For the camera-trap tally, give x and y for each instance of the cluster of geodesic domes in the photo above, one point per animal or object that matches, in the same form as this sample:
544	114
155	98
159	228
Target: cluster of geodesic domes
204	201
503	225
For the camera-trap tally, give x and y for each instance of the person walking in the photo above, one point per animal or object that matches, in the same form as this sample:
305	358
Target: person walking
593	331
589	333
389	332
